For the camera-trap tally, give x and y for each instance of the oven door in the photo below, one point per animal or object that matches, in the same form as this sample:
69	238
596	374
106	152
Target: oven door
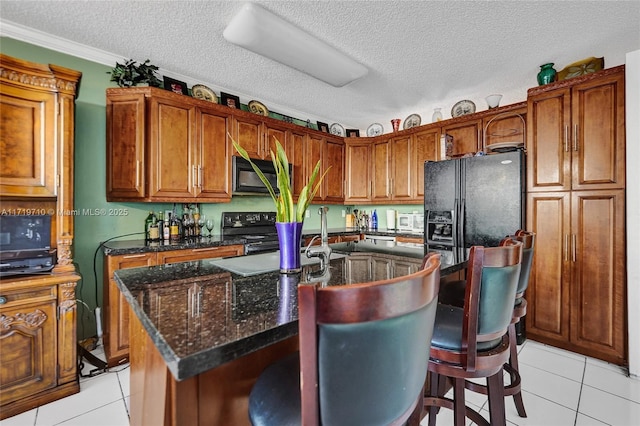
261	247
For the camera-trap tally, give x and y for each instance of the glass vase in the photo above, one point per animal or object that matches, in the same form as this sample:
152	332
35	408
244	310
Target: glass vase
547	74
289	238
437	115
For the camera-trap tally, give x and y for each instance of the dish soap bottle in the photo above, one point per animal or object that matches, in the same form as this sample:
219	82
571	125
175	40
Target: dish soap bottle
374	220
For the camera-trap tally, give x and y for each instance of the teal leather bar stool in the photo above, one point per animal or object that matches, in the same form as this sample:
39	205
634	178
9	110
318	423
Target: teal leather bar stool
471	341
364	350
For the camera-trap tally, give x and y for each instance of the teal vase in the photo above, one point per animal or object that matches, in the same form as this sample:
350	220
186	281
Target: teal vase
547	74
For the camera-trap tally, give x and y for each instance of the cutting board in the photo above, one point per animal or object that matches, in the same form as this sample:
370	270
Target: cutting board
260	263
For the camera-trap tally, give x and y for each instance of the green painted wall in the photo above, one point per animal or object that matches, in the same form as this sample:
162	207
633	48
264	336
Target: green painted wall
90	183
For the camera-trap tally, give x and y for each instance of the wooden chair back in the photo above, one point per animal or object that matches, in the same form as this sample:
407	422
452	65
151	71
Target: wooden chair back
364	348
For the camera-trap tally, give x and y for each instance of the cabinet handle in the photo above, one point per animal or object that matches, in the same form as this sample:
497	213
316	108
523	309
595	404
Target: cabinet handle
573	247
199	175
3	300
566	138
566	247
137	173
204	249
194	175
575	137
133	256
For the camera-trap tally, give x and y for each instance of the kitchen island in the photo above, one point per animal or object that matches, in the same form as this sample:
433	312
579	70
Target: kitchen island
201	334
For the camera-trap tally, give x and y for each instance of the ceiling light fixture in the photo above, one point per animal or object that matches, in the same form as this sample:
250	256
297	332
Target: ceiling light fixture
266	34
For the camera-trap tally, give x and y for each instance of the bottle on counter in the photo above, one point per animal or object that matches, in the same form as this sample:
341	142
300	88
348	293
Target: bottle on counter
174	227
374	220
166	231
154	231
160	224
147	225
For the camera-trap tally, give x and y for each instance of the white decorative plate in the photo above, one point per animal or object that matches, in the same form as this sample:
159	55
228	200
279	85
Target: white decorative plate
375	129
463	108
258	108
336	129
200	91
412	121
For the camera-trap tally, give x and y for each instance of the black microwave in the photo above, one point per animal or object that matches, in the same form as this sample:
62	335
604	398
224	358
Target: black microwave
246	180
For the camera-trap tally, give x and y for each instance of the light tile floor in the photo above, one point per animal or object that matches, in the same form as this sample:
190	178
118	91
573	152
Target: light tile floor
559	388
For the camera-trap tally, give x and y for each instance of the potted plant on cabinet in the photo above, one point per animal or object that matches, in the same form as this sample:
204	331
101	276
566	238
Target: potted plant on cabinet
289	216
132	74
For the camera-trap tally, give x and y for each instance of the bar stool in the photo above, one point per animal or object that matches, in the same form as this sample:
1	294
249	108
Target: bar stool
453	294
364	350
472	342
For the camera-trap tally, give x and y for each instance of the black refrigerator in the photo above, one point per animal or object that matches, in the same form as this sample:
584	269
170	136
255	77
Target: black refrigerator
473	201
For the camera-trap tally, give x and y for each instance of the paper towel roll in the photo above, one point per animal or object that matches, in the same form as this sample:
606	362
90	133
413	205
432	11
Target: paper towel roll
391	219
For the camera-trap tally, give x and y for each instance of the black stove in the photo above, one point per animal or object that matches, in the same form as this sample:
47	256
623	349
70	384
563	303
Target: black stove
258	228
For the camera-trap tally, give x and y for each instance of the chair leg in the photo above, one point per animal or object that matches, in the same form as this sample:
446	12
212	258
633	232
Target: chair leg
495	387
459	406
514	373
433	392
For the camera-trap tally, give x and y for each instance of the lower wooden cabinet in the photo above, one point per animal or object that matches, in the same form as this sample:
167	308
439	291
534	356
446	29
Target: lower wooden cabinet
116	309
37	342
576	294
371	267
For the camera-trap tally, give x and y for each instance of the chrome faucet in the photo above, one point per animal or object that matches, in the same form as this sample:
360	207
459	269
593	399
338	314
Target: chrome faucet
323	251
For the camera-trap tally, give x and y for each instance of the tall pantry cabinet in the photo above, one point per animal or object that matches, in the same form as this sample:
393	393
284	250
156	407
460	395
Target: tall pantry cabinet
576	205
38	312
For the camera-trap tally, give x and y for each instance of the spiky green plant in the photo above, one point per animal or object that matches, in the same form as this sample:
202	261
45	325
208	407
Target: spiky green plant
286	210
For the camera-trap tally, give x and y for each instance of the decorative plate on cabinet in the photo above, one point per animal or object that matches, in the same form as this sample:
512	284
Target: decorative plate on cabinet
463	107
258	108
411	121
200	91
336	129
375	129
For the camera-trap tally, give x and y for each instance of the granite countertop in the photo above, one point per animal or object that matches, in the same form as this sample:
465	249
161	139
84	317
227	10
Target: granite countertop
118	247
200	316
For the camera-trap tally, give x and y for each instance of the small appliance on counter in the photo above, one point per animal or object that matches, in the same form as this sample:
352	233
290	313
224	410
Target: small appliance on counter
410	222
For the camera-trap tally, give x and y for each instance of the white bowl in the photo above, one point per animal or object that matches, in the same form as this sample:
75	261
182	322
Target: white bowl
493	100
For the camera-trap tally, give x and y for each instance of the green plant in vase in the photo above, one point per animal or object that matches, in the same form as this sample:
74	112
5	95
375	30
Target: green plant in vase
289	216
132	74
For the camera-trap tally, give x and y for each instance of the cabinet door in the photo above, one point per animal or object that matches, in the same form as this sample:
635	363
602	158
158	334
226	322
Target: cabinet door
426	149
548	294
248	133
334	162
381	268
314	152
405	267
598	274
214	160
358	171
467	136
295	154
401	164
272	133
116	309
504	127
381	171
173	256
358	269
598	134
28	346
172	150
27	142
126	134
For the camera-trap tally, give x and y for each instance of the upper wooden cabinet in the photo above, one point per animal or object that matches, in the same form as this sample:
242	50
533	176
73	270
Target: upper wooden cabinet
358	170
576	133
467	136
329	150
258	137
162	146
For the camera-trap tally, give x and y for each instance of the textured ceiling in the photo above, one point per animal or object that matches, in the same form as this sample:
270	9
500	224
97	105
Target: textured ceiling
420	54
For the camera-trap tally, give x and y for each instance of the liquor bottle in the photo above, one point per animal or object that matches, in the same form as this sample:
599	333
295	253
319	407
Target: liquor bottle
166	229
174	228
147	225
374	220
160	225
154	231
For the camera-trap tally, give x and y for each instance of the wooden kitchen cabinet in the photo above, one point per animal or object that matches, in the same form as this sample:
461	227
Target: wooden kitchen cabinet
38	313
357	170
329	150
392	169
467	136
166	147
577	286
426	145
576	206
575	133
295	154
115	328
116	309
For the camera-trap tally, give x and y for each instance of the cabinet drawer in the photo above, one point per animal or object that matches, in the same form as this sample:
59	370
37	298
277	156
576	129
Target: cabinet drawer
174	256
16	297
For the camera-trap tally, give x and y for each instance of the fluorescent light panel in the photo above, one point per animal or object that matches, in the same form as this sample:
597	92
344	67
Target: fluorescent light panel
266	34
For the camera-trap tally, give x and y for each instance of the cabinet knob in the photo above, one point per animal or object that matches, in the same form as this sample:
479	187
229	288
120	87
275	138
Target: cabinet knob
3	300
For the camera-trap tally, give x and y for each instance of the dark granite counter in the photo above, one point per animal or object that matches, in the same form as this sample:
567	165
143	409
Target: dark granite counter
141	246
200	316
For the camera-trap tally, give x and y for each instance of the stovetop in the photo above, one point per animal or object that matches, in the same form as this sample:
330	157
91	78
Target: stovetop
258	228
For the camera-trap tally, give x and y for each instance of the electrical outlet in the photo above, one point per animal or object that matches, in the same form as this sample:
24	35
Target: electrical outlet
344	213
307	214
